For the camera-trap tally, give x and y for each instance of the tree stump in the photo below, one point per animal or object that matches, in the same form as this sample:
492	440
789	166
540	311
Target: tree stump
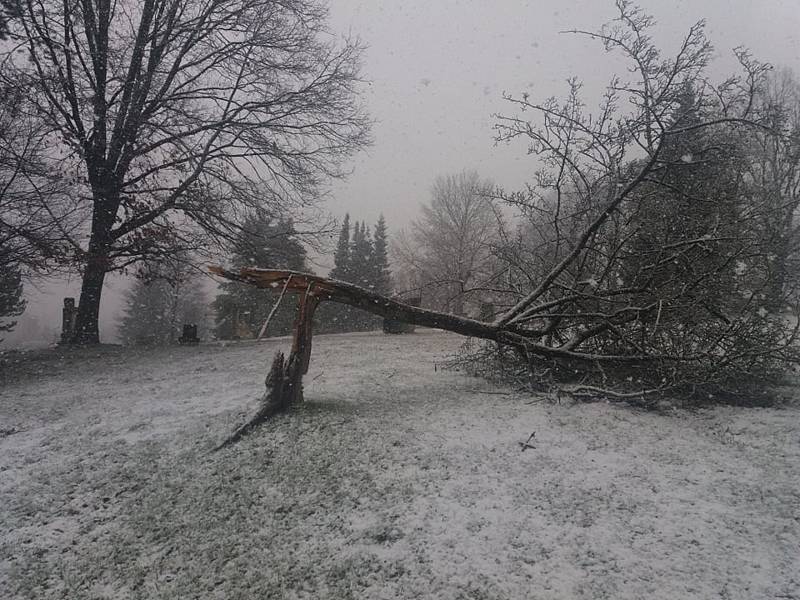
284	381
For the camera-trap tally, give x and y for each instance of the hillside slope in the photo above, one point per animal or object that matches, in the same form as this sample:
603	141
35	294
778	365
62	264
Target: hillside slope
394	480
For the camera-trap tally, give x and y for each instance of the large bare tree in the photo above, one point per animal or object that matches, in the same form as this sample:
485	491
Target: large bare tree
448	251
773	170
37	213
178	116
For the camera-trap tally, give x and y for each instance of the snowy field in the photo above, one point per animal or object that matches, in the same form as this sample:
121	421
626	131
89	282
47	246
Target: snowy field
394	480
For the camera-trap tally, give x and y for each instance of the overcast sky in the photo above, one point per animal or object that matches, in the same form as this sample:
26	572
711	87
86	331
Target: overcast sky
437	70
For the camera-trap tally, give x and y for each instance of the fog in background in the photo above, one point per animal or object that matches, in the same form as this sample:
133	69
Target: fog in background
436	73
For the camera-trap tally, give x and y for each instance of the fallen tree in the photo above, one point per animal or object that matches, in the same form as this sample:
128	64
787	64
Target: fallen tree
317	289
285	380
646	261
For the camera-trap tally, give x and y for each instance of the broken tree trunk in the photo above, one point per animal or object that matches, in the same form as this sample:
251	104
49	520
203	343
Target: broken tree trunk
323	289
316	289
285	379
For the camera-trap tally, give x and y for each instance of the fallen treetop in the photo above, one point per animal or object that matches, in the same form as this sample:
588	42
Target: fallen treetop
325	289
285	380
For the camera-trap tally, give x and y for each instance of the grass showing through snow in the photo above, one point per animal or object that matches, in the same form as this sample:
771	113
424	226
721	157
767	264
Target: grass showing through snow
393	480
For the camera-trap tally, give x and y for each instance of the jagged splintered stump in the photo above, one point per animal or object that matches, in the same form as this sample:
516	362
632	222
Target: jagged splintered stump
284	381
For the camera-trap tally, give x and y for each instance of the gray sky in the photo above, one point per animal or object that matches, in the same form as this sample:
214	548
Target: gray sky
437	70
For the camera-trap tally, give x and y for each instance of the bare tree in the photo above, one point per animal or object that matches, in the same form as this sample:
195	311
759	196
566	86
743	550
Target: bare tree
667	269
36	210
449	249
773	170
177	116
642	266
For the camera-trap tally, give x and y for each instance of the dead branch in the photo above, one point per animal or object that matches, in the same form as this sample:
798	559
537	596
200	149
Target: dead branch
526	445
274	310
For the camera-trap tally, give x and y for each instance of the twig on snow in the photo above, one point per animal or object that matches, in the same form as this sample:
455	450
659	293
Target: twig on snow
527	443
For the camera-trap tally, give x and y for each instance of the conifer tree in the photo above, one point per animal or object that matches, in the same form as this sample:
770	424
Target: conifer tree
341	259
160	303
11	302
380	274
364	262
332	317
241	309
360	272
360	256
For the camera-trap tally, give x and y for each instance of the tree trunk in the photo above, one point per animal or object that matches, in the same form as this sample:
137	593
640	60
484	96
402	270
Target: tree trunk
285	379
346	293
87	330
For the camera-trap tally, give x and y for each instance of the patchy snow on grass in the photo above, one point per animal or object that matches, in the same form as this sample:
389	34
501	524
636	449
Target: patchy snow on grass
393	480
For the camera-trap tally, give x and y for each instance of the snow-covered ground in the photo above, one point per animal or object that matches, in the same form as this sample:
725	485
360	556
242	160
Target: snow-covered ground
394	480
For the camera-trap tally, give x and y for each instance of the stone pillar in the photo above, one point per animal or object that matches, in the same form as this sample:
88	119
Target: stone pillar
68	314
189	335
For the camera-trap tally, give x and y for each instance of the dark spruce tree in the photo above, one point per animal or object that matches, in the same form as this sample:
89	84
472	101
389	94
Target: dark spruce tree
242	310
332	317
364	262
360	251
341	259
381	277
361	273
696	196
12	303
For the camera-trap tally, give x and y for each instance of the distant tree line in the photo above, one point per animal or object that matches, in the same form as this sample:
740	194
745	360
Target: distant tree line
362	258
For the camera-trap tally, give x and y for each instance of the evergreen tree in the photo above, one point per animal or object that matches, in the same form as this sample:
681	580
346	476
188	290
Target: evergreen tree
241	309
360	256
381	279
696	196
11	302
330	316
341	258
160	303
361	273
363	262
